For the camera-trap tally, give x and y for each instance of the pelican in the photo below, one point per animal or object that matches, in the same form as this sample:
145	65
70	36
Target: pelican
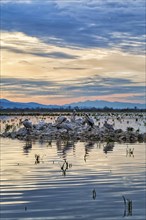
73	116
40	125
77	121
59	121
108	126
89	120
66	126
27	124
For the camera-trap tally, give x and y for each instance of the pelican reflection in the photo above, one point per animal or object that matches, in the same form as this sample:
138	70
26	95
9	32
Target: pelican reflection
27	147
88	147
108	147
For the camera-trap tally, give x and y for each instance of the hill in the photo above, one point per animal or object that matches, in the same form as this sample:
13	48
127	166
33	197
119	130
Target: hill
6	104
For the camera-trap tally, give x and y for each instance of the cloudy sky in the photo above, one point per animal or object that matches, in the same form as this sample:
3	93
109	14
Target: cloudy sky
63	51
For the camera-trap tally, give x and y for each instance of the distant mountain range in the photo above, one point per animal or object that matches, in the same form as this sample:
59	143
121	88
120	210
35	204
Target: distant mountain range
103	104
6	104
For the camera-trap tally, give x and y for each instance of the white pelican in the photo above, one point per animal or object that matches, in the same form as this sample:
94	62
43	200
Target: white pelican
27	124
60	120
73	116
89	120
108	126
66	126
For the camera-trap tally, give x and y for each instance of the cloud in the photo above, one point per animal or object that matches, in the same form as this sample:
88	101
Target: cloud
73	72
56	55
16	1
95	86
109	23
18	42
136	97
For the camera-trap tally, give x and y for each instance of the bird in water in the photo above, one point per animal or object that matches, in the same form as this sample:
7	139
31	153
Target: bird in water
76	120
28	125
63	123
89	121
40	125
66	126
59	121
108	126
73	116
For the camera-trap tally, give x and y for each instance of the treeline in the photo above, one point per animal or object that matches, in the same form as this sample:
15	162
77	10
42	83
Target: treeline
44	111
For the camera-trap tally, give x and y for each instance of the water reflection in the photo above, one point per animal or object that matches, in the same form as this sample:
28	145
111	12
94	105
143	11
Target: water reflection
64	167
94	194
54	180
68	145
108	147
37	158
129	152
49	143
88	147
64	146
127	207
27	147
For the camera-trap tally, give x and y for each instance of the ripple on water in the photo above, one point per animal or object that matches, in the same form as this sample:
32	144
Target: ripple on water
45	191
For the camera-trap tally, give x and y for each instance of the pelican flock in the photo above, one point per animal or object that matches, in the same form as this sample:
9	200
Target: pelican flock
77	126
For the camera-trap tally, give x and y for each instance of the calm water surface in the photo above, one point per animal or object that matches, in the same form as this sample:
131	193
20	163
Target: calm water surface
89	185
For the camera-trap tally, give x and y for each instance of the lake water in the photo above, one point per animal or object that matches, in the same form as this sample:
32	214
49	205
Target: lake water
72	181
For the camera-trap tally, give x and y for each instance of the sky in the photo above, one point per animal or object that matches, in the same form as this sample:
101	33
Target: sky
64	51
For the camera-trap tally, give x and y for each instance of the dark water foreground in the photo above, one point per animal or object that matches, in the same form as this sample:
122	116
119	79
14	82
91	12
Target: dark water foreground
72	180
